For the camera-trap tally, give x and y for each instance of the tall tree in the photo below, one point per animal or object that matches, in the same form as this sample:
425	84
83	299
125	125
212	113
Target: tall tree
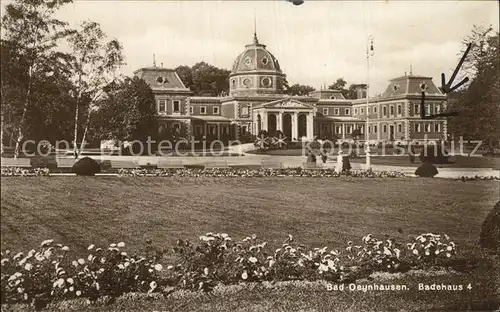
298	89
31	26
478	103
339	84
128	112
93	66
205	79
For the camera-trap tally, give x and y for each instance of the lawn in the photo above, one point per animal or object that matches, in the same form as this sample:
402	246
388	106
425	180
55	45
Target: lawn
78	211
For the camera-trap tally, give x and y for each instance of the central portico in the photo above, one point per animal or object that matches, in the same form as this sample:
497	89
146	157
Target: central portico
294	118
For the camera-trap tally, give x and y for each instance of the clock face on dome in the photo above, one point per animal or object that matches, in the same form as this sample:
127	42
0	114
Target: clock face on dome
247	82
248	61
266	82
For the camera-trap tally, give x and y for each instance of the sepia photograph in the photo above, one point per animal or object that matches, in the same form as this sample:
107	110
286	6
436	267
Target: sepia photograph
272	155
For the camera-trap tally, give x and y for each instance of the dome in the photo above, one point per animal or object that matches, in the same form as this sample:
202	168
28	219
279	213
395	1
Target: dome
255	58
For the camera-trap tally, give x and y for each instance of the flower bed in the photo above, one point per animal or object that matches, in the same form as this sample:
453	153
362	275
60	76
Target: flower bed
261	172
24	172
53	273
478	178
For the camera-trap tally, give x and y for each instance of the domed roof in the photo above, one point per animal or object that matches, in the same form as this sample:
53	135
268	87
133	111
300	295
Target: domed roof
255	57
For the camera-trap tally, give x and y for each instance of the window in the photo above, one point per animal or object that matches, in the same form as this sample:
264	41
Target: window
234	83
427	127
162	105
177	126
417	109
338	129
347	111
400	128
437	108
370	129
375	129
355	111
427	109
216	110
384	111
392	110
191	109
362	111
325	111
349	130
437	127
203	110
244	129
332	97
369	110
336	112
375	109
417	127
400	109
244	111
385	128
177	106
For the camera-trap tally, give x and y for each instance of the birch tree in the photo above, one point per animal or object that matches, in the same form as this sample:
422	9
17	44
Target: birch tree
31	27
94	65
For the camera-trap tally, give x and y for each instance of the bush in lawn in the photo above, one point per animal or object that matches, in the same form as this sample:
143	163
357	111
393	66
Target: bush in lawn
86	167
426	170
490	230
24	172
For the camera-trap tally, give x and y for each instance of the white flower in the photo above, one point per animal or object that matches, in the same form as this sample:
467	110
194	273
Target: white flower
78	293
205	271
121	267
90	258
323	268
158	267
91	247
254	236
224	235
65	248
60	282
121	244
47	242
47	253
415	251
448	254
153	285
449	248
112	245
81	261
5	260
437	252
70	280
71	288
28	266
252	259
74	263
244	275
17	256
170	267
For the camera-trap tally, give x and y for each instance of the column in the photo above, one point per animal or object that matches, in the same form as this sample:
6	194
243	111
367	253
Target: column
343	131
378	131
205	130
294	126
279	121
264	122
218	131
310	126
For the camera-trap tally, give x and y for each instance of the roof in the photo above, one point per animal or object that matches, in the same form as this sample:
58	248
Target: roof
285	103
255	57
159	78
412	84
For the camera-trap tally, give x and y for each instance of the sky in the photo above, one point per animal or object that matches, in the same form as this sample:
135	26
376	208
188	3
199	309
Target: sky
315	43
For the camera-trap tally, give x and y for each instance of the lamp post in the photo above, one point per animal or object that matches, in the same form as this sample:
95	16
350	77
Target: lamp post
369	53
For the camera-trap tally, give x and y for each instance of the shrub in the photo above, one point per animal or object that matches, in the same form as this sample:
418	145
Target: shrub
86	167
52	273
490	230
426	170
429	249
24	172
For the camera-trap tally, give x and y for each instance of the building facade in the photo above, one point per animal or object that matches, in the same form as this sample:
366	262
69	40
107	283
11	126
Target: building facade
256	102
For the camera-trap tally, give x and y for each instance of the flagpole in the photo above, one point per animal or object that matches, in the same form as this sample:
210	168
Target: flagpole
369	51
